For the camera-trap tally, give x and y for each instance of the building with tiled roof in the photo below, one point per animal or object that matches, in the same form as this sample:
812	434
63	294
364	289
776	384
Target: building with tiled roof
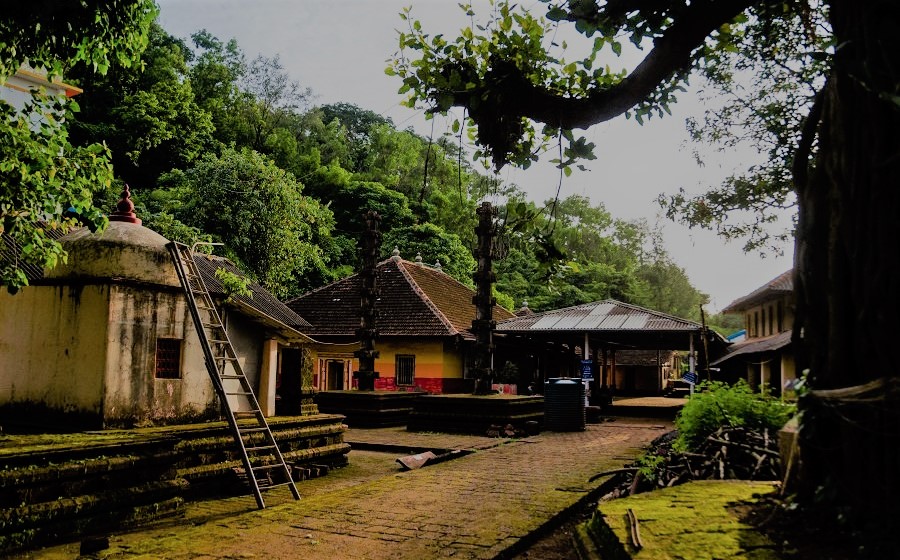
765	357
424	329
106	338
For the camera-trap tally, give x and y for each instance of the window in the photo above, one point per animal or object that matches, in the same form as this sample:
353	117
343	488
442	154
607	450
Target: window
168	358
405	369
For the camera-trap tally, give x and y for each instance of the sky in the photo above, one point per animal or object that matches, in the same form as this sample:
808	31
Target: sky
340	49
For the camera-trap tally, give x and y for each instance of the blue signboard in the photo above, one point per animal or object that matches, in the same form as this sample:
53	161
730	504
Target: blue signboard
587	370
690	377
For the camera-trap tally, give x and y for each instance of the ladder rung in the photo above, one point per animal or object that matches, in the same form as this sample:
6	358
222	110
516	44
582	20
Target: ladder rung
251	430
270	486
259	448
226	358
218	342
232	377
240	393
268	467
212	326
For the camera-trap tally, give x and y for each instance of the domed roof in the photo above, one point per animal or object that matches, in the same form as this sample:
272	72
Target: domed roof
125	250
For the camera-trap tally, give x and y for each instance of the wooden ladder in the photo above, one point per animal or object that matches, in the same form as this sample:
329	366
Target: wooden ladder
259	452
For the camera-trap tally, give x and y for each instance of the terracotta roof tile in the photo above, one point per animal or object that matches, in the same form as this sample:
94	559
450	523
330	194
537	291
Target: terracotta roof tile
414	300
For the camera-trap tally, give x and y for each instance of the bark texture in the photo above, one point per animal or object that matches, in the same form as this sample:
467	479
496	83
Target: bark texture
846	272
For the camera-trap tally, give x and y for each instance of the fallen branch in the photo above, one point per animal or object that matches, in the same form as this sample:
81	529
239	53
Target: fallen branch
612	472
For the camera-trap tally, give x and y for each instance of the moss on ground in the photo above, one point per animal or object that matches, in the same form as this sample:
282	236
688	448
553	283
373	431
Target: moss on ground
691	522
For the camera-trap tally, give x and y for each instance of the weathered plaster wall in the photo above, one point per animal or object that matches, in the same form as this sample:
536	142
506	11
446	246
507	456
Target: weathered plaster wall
52	343
133	394
247	337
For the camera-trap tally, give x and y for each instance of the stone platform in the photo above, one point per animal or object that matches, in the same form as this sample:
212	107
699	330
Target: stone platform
471	414
56	485
369	409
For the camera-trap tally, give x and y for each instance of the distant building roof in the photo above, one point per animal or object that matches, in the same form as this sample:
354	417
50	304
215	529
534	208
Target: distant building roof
755	346
415	300
611	321
777	287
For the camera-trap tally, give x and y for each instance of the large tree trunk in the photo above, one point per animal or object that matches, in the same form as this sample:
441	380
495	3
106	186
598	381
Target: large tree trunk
848	287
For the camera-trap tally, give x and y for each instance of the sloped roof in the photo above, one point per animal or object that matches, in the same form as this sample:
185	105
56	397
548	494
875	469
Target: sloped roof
777	287
10	251
262	303
414	300
609	321
606	315
755	346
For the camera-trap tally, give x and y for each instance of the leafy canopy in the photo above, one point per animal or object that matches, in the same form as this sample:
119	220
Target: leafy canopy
49	183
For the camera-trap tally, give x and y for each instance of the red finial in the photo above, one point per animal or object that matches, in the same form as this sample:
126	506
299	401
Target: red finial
125	209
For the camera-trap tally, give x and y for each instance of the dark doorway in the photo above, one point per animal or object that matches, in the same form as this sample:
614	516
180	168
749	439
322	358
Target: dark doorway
290	385
334	375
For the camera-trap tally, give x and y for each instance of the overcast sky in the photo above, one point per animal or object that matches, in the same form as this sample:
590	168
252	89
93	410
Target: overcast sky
340	48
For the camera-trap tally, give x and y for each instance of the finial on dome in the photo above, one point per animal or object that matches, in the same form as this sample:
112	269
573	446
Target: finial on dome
395	254
419	257
125	209
437	265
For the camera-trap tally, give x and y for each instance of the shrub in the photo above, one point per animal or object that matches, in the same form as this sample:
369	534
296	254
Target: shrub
718	404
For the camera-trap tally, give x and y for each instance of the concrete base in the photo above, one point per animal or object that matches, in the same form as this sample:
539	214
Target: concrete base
369	409
472	414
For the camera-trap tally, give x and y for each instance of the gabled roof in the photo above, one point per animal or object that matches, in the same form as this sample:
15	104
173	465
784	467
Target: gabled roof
414	300
755	346
606	315
775	288
610	322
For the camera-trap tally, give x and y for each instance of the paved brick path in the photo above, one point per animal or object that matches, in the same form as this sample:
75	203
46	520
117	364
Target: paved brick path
478	506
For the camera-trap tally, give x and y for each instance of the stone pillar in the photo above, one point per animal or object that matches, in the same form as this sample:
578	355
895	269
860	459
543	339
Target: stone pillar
483	325
307	391
368	293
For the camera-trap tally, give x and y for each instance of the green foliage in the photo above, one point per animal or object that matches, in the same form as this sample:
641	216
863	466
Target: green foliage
648	465
149	117
435	245
257	210
717	404
233	284
47	184
59	35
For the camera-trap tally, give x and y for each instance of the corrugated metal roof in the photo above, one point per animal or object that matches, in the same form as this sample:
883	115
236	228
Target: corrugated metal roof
606	315
778	286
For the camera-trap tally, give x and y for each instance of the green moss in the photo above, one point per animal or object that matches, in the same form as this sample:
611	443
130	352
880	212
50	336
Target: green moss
691	521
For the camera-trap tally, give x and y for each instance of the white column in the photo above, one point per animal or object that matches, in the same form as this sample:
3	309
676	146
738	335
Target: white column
268	373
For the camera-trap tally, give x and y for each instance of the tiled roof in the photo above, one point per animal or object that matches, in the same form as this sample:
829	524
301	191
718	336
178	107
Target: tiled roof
755	346
414	300
777	287
9	251
262	302
606	315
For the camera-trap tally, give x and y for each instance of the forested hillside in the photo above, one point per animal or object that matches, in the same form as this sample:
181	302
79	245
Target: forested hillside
218	145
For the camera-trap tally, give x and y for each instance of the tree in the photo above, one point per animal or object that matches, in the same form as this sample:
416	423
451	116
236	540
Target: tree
435	246
845	281
257	210
148	116
47	182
